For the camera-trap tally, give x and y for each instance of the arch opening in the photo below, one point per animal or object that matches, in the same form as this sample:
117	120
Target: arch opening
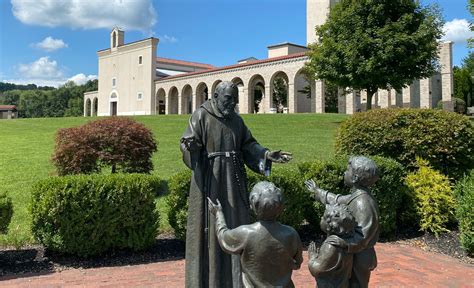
161	101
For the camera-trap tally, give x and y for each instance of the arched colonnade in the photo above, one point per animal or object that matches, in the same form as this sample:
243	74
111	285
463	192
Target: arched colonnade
182	94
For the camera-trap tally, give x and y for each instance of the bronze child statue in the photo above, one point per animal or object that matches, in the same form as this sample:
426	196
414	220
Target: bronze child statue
269	251
332	265
360	175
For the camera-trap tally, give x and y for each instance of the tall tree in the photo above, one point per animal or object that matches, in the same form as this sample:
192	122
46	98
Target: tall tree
280	93
470	41
462	85
376	44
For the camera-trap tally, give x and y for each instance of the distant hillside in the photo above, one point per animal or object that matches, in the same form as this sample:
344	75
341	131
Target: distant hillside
33	101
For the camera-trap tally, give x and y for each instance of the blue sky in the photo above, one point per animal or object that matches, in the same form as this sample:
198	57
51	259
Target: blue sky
47	42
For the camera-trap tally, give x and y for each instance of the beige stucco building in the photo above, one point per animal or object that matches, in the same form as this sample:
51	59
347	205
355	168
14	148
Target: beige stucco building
134	81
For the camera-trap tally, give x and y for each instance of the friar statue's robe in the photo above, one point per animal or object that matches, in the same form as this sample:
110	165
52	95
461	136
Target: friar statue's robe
223	147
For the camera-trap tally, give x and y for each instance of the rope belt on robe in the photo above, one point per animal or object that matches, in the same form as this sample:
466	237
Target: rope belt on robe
239	169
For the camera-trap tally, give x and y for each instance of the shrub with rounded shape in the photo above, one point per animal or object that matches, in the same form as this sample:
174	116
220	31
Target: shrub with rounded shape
6	212
444	139
297	201
299	206
87	215
122	143
433	196
464	192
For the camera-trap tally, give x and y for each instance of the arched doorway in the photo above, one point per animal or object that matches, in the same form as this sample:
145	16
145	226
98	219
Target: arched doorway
187	100
302	92
202	94
161	102
95	106
113	104
88	107
240	85
279	92
256	94
173	100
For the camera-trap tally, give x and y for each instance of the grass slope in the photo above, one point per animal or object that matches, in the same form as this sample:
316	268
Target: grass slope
27	144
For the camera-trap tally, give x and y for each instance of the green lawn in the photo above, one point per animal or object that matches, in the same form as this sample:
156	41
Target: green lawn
27	144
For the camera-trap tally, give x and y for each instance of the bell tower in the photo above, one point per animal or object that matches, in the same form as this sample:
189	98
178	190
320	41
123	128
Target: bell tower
116	38
317	12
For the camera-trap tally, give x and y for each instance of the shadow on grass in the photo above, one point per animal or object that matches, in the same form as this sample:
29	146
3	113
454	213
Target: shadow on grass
38	261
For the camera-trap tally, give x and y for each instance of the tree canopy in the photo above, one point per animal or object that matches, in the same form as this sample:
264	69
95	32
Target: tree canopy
376	44
33	102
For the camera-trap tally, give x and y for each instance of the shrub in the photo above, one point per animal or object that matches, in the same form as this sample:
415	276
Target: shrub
433	197
125	145
87	215
6	212
177	201
444	139
299	205
464	192
389	192
297	199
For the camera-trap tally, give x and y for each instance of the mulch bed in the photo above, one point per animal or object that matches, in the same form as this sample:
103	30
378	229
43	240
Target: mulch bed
35	259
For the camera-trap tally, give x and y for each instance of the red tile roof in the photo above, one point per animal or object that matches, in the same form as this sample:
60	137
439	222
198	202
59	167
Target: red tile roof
181	62
296	55
7	107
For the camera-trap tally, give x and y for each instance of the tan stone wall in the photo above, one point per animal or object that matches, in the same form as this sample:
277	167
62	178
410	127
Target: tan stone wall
131	78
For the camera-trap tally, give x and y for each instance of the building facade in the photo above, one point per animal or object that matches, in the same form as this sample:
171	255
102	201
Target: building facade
134	81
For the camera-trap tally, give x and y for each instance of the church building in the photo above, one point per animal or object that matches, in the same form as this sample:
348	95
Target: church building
134	81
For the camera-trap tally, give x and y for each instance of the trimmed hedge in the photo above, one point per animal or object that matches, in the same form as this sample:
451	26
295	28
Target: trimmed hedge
433	196
6	212
117	142
297	200
464	193
177	201
444	139
389	190
299	204
87	215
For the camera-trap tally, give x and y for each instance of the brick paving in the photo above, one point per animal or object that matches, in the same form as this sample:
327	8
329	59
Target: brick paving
398	266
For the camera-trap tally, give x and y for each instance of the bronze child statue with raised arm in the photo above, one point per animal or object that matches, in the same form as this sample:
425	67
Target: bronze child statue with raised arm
269	250
360	175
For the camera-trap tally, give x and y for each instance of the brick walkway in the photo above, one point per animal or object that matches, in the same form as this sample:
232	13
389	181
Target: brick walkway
399	266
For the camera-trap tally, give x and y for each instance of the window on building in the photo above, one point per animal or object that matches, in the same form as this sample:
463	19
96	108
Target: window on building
140	96
114	82
140	60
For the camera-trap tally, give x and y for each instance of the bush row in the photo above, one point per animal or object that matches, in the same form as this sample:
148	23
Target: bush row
87	215
464	192
6	212
300	207
444	139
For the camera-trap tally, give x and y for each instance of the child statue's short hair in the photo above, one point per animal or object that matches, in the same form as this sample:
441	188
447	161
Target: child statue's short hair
266	200
365	169
338	220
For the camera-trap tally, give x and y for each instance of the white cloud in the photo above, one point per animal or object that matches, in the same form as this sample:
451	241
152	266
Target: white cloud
81	78
38	82
43	68
457	31
168	39
46	72
50	44
85	14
